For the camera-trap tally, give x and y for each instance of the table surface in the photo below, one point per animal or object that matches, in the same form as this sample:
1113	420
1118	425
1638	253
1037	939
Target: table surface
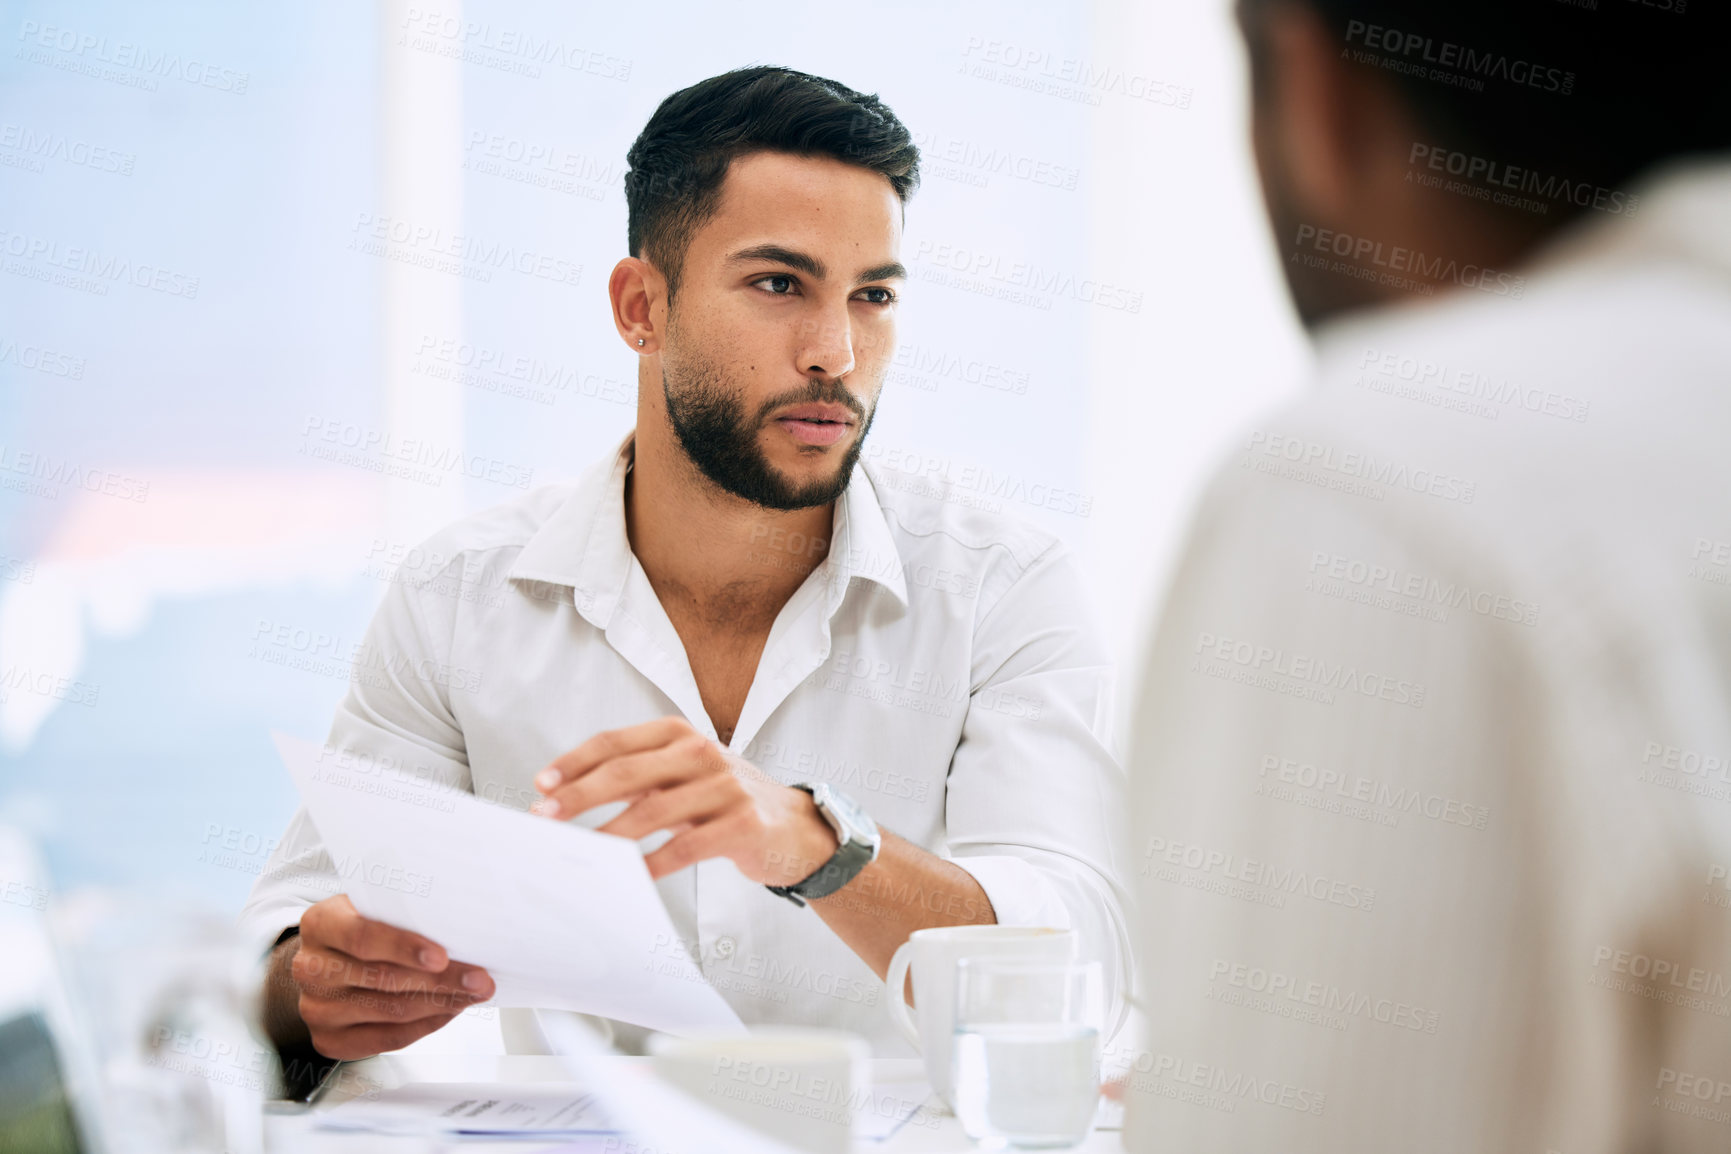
296	1131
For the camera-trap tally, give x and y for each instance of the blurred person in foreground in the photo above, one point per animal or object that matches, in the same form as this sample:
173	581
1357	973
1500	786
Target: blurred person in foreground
1432	761
836	708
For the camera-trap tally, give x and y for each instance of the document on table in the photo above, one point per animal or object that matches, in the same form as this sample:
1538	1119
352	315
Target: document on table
474	1110
562	917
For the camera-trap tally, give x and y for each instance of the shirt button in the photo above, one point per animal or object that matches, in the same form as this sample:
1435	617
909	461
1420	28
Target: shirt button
724	947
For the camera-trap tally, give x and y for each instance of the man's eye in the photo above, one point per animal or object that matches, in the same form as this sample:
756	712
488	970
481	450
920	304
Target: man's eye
778	285
879	296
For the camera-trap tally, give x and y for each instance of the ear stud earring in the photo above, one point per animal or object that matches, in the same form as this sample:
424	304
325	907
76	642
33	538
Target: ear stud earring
639	342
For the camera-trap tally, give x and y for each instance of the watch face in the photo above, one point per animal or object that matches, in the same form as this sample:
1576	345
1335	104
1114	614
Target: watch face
826	807
860	826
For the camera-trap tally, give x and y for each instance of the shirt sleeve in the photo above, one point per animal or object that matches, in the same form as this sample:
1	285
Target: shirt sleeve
395	730
1035	796
1386	844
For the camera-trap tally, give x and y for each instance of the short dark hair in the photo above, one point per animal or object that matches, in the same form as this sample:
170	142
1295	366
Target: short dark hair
679	160
1586	90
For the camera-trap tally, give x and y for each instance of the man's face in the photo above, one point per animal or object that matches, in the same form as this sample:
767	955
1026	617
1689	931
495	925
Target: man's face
783	327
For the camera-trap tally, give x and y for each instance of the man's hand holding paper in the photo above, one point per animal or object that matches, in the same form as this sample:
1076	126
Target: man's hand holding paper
367	987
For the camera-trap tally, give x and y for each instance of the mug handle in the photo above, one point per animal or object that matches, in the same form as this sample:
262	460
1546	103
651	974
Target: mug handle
895	981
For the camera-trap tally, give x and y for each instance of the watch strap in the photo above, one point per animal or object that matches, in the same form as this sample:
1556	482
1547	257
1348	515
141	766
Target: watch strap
844	865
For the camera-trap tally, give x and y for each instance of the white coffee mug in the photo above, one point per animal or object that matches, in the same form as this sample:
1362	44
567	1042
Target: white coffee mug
798	1085
932	956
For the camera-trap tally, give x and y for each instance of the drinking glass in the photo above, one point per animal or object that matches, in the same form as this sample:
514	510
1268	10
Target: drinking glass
1027	1052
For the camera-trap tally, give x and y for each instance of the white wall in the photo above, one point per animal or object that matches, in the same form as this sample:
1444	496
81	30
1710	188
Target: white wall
1068	146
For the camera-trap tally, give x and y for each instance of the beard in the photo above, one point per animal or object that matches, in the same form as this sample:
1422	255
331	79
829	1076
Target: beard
720	437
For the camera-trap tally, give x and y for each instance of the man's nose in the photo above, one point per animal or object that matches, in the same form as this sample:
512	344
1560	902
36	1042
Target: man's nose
826	344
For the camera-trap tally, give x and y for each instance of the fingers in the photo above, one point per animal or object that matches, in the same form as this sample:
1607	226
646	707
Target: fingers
354	1042
613	743
692	802
328	1009
335	923
711	839
322	968
630	774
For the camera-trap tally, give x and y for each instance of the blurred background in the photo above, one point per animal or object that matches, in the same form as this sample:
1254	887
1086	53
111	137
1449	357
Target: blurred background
255	256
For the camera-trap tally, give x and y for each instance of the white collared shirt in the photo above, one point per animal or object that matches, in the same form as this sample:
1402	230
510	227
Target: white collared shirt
937	667
1432	770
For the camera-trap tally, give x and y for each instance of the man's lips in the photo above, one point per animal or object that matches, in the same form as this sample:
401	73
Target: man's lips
816	424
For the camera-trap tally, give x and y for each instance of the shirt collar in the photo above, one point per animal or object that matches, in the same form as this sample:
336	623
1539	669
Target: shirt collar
583	544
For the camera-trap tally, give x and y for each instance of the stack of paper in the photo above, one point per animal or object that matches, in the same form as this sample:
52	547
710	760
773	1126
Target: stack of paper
474	1110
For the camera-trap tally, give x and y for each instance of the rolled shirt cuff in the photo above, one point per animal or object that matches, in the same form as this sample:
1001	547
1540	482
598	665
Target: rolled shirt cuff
1020	894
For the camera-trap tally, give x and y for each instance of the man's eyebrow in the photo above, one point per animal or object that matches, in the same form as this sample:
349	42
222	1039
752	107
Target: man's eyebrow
775	254
894	270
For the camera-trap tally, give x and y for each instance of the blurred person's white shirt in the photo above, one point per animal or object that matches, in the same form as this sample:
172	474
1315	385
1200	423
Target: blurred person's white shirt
1431	770
937	667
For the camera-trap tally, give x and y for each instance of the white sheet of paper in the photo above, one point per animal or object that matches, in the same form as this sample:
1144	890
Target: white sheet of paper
562	917
476	1109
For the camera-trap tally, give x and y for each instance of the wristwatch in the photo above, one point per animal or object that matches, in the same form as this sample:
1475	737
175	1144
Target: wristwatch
858	842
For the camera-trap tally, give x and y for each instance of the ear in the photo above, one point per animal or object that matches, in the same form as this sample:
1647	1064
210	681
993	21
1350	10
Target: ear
1329	123
637	289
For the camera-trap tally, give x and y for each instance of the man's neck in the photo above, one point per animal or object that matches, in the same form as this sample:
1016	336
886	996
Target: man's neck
730	562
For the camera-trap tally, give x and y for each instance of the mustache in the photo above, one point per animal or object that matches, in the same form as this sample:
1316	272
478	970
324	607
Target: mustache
817	390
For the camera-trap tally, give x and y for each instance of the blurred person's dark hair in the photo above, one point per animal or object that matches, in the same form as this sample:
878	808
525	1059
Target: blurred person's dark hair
680	159
1648	79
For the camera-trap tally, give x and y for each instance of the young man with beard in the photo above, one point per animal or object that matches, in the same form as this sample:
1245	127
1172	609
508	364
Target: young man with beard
843	713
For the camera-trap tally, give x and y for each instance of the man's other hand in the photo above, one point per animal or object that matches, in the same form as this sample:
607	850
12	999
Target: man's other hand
715	803
363	987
